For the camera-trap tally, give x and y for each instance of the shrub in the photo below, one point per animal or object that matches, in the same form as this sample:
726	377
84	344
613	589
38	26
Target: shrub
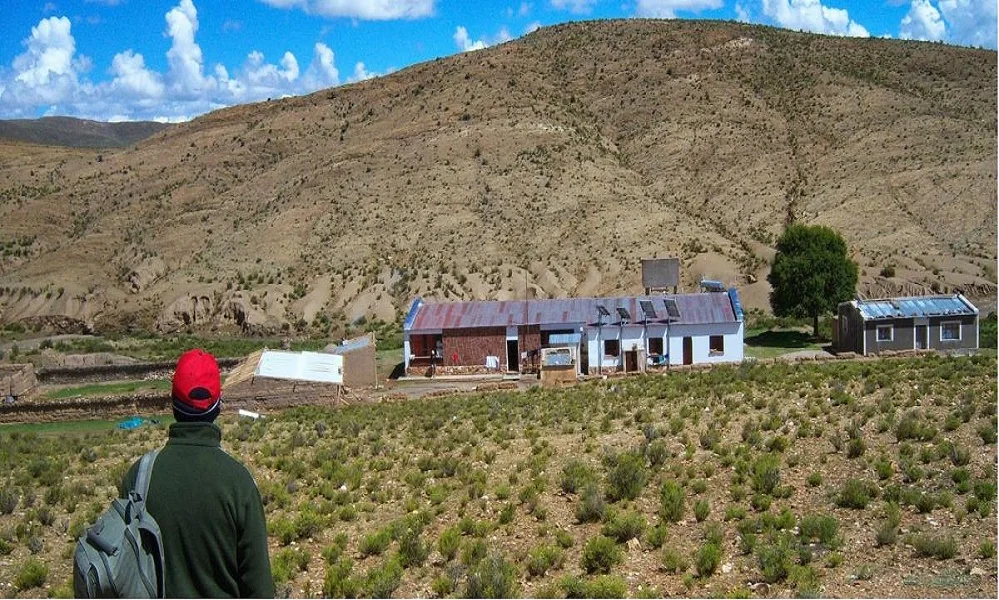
32	574
600	555
375	543
702	508
939	547
412	549
564	539
855	494
987	549
287	561
575	475
448	542
591	505
605	586
381	581
774	557
626	477
492	577
766	474
624	525
814	479
824	528
674	561
988	433
657	452
8	500
708	559
541	559
472	552
671	502
657	535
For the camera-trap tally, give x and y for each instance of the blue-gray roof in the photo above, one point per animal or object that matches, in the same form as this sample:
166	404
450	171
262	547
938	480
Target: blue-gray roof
917	306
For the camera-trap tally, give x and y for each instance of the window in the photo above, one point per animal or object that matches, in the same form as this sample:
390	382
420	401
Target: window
716	345
950	331
612	348
885	333
655	345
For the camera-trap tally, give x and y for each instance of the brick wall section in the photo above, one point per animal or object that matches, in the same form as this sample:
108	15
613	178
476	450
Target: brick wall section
474	345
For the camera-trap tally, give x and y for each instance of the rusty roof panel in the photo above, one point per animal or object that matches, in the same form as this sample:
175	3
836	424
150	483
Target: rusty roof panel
695	309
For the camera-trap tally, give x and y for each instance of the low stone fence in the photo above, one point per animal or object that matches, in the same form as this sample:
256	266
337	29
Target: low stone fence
105	373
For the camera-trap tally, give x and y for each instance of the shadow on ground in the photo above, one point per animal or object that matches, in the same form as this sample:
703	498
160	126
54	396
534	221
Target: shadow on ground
783	339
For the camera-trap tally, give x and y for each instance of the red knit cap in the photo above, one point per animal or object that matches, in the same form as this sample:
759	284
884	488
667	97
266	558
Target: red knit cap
197	385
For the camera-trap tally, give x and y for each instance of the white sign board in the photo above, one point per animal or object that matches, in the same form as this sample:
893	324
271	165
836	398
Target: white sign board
301	366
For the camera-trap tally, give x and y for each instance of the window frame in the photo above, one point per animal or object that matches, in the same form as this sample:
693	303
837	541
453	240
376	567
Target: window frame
943	325
882	327
660	342
720	349
617	344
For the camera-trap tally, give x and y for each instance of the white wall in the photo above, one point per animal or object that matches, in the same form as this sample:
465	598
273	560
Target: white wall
700	334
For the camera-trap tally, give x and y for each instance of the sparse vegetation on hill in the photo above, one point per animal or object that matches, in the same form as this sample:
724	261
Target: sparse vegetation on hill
545	166
734	481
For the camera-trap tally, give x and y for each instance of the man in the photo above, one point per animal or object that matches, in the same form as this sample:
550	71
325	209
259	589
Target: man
205	502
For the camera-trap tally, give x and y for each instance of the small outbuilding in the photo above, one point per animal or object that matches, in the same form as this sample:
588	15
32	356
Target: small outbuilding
358	361
948	323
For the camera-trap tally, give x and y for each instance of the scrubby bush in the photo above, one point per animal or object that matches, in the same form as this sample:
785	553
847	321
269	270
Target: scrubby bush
448	542
542	559
671	501
702	508
940	547
674	561
600	555
708	558
624	525
575	475
382	580
626	476
492	577
824	528
32	574
591	505
766	474
775	557
855	494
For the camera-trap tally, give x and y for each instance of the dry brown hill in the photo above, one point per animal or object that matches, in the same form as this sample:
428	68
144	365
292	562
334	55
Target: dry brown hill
553	163
78	133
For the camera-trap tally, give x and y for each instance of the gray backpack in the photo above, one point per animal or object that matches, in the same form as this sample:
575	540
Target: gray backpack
121	555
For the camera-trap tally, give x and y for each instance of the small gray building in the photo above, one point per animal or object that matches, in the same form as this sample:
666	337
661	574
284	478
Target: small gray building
914	323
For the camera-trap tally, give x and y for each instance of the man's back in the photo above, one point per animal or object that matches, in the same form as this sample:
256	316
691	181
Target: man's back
210	515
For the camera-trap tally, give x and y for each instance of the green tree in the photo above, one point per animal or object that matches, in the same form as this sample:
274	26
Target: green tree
811	273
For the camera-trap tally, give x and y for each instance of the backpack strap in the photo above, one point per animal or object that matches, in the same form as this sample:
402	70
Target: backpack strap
141	489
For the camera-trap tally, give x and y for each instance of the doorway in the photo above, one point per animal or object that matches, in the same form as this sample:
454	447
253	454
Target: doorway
631	361
512	356
688	350
922	343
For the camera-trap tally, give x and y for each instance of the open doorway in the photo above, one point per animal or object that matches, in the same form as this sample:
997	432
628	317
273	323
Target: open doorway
512	356
688	350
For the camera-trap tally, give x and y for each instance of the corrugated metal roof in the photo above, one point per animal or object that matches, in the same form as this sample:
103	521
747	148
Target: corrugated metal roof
917	306
695	309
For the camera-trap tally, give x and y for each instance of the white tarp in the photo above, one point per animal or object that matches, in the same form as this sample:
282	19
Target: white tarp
300	366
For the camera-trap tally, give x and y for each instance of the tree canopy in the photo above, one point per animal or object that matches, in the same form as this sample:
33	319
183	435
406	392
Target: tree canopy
811	273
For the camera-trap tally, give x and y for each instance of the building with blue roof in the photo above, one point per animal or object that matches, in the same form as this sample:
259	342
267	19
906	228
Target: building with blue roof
941	322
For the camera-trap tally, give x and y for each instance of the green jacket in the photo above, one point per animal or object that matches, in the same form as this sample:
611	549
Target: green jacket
210	516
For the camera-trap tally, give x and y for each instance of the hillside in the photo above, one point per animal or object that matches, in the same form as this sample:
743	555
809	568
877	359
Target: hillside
552	163
77	133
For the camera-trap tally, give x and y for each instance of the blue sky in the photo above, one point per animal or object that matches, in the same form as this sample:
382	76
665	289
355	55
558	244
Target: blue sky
176	59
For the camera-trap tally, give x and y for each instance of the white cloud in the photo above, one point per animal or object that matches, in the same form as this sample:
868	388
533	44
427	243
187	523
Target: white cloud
970	22
922	22
186	77
741	13
532	27
360	73
812	15
574	6
666	9
48	70
322	71
373	10
464	43
132	78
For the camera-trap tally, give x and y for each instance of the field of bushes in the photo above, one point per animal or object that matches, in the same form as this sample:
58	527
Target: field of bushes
850	478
